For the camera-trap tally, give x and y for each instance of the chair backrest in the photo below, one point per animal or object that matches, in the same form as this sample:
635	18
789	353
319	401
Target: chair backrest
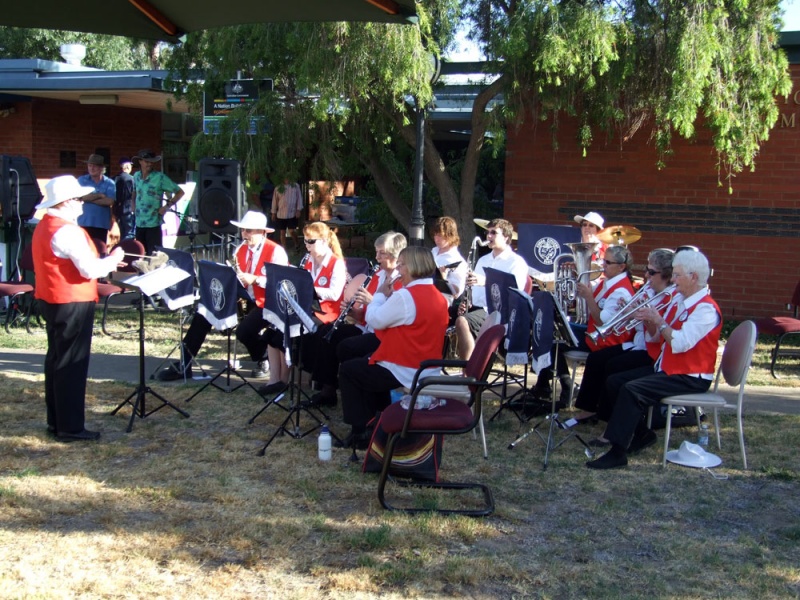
738	353
131	247
480	363
26	260
357	266
796	298
491	320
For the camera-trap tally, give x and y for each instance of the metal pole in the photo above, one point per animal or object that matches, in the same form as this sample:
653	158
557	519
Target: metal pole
416	232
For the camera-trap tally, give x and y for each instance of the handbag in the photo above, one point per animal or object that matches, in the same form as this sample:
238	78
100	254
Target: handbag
417	456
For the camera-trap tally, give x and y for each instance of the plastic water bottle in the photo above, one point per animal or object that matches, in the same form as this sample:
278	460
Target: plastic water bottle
702	438
324	444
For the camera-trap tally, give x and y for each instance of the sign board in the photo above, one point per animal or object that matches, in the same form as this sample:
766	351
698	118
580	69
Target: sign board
237	93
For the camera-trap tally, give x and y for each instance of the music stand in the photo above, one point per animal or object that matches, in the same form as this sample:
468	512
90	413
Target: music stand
218	299
148	284
546	305
289	297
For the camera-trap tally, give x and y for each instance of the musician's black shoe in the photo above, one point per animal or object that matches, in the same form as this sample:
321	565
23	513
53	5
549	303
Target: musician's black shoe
359	441
322	399
272	388
81	436
644	438
261	371
612	459
174	372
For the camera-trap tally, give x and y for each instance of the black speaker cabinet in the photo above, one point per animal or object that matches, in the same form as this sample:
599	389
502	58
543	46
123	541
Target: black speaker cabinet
19	190
219	195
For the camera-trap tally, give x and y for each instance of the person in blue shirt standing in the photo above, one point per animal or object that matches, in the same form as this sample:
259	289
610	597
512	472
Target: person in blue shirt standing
96	217
150	203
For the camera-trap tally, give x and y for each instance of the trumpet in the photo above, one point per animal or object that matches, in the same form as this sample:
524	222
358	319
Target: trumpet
624	321
472	260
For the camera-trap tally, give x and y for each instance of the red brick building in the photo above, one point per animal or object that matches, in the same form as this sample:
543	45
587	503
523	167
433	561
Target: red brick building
751	236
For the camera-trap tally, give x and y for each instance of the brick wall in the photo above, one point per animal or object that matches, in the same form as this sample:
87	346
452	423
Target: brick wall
41	129
751	236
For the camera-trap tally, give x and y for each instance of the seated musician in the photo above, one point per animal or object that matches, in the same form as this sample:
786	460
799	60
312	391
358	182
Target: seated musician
591	223
410	324
451	264
689	336
613	290
498	233
249	257
326	264
322	355
600	364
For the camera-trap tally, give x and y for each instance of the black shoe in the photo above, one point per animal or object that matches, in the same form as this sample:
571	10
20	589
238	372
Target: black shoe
51	430
359	441
642	440
174	373
544	392
320	399
272	388
81	436
609	460
261	371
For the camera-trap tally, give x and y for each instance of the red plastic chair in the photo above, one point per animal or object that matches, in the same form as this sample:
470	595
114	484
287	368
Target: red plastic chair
17	290
782	327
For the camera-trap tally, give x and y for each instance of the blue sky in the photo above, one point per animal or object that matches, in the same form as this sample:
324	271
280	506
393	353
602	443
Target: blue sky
466	51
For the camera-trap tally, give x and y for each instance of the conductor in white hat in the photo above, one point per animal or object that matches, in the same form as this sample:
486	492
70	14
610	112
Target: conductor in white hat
67	266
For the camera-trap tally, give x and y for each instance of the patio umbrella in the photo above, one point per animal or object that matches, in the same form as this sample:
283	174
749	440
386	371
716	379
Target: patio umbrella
168	20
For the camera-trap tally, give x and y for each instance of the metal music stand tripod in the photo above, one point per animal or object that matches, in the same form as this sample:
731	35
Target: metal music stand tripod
563	335
294	392
146	284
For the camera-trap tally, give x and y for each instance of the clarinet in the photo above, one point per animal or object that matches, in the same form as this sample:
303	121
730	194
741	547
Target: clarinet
343	315
305	260
466	301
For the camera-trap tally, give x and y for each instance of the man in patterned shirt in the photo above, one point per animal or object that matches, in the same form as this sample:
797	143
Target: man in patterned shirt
150	188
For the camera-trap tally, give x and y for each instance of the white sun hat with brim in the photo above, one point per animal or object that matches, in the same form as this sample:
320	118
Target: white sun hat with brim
593	218
692	455
62	188
253	219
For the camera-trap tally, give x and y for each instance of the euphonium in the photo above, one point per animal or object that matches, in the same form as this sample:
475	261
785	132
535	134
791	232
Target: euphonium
568	277
624	320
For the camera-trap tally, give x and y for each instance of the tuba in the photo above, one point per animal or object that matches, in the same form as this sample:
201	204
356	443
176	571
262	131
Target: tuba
569	270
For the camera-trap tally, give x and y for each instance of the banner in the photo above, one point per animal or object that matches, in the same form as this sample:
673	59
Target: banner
540	244
286	316
218	296
182	293
543	312
518	333
497	285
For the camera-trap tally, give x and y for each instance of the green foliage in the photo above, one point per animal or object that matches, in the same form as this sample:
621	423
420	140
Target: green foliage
108	52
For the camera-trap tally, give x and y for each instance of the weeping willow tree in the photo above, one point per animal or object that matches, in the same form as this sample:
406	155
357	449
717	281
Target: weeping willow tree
345	94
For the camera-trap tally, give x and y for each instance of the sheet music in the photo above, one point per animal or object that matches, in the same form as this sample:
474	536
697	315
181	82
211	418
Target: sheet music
154	281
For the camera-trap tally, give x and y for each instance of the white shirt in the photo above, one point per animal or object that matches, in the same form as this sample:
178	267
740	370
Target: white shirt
338	278
70	242
507	261
382	276
399	309
457	277
610	305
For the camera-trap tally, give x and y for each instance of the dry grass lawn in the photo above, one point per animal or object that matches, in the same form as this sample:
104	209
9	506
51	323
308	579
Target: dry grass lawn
184	508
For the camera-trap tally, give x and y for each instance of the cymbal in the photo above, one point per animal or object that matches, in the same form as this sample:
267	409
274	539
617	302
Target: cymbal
619	234
484	224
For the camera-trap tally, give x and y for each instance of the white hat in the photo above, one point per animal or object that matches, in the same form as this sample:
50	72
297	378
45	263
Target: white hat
253	219
62	188
692	455
593	218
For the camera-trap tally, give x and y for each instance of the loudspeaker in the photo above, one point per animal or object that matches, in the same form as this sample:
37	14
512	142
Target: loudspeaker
19	190
220	196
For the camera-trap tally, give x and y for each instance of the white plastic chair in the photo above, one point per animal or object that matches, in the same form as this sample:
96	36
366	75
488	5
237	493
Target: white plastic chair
734	366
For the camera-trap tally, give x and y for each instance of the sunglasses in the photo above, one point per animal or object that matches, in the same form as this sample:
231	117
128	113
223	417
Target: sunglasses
310	240
651	272
611	262
494	232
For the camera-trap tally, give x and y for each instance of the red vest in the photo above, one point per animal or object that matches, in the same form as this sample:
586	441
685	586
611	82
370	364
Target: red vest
702	358
409	345
267	250
330	308
609	340
58	280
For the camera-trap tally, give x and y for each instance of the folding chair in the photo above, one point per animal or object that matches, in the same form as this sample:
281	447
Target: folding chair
107	290
454	418
17	290
782	327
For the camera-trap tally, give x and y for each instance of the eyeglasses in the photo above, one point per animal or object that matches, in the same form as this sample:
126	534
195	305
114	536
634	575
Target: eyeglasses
494	232
611	262
310	241
651	272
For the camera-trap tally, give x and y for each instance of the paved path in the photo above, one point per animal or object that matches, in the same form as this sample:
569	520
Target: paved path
771	399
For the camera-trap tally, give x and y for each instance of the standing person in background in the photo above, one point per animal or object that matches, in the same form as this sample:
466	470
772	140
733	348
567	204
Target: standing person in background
66	265
150	188
123	206
96	217
287	207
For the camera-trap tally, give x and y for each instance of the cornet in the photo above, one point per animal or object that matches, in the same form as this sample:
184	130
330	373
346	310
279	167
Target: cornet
624	321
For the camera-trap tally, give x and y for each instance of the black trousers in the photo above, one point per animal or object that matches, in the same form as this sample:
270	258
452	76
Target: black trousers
66	364
255	333
365	390
320	355
638	395
600	365
150	238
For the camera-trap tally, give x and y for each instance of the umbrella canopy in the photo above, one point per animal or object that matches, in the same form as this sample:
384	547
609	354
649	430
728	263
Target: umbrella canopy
167	20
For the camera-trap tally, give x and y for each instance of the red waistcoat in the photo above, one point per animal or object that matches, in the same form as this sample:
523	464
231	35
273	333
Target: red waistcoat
330	308
702	358
409	345
58	280
609	340
267	250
